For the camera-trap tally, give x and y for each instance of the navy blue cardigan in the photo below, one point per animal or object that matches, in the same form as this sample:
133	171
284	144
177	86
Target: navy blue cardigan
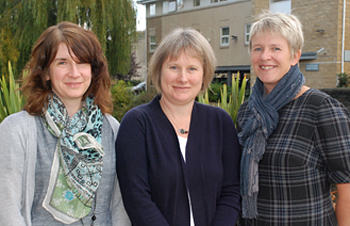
154	179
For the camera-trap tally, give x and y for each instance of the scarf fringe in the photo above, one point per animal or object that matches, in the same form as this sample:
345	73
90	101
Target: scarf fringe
250	210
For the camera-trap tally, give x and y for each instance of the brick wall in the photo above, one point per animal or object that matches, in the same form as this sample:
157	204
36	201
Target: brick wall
340	94
319	15
154	27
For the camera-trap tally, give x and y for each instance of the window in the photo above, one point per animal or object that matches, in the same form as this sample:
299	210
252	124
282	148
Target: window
281	6
214	1
152	43
224	36
246	33
180	4
196	2
172	6
152	9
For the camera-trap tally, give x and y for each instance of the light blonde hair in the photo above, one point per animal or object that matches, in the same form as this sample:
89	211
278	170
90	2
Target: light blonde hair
193	44
288	26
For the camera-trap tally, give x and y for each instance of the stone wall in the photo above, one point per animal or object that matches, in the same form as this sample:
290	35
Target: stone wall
341	94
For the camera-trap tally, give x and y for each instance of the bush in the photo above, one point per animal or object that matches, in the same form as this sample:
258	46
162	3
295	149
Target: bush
124	100
11	99
231	98
343	80
122	97
215	91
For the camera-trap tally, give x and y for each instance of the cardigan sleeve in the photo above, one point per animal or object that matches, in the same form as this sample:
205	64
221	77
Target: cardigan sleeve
119	215
14	142
132	170
228	204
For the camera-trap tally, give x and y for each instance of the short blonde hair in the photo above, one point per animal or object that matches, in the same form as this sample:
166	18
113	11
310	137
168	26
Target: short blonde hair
288	26
193	44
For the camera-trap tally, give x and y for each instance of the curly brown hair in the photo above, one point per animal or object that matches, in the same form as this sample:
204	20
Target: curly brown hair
85	46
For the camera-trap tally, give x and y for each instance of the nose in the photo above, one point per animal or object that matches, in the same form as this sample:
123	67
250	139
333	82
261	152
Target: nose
265	55
74	70
183	76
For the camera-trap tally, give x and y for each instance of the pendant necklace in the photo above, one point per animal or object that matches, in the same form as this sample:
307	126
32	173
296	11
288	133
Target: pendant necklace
180	130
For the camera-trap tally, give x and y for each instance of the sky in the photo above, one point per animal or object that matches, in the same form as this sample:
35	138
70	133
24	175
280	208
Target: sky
140	17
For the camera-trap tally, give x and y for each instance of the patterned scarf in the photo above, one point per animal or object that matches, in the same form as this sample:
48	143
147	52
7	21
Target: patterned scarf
77	165
258	128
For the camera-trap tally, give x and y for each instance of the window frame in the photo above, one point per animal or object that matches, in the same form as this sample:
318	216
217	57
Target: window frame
246	33
152	45
222	36
152	9
172	6
196	3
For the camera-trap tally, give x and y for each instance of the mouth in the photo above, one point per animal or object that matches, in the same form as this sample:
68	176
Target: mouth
267	67
73	84
181	88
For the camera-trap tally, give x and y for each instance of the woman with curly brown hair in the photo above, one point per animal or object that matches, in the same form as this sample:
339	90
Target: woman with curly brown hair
58	155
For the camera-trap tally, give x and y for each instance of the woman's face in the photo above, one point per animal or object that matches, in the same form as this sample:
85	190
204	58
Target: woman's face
271	58
181	79
70	80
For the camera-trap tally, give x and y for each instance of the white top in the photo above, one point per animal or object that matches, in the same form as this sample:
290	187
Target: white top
182	143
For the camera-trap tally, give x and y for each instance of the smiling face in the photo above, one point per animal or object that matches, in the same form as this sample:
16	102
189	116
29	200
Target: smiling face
271	58
69	79
181	79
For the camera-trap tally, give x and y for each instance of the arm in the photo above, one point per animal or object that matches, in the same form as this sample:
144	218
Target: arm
119	215
334	127
132	170
12	163
228	205
343	204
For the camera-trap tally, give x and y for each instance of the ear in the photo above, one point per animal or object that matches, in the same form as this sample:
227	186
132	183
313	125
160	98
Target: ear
296	57
47	77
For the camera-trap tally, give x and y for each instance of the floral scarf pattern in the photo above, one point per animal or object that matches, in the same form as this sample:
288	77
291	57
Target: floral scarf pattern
77	166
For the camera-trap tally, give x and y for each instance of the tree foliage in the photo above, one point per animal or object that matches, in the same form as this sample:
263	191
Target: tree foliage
22	22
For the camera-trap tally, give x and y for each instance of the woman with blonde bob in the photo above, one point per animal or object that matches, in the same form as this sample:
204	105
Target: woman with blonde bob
58	155
295	139
178	160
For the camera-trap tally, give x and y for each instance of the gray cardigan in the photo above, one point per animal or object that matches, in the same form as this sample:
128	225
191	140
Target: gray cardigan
18	146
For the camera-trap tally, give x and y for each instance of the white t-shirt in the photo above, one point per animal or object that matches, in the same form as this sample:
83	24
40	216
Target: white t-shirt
183	142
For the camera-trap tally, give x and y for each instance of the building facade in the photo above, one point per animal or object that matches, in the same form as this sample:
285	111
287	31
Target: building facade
226	23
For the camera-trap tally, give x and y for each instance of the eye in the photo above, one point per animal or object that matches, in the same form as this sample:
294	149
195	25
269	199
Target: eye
61	62
257	49
276	48
193	69
173	67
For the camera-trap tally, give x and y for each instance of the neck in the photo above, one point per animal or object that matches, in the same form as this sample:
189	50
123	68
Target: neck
179	116
73	107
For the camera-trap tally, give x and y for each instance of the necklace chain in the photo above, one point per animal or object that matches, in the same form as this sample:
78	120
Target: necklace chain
180	130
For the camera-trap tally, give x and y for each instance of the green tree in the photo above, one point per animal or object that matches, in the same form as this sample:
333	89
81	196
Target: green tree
113	21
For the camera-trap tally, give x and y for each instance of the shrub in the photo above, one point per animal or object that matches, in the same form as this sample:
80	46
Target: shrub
11	99
231	100
343	80
124	100
122	97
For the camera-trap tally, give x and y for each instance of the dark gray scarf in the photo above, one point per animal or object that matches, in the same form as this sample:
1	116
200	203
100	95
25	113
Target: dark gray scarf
258	128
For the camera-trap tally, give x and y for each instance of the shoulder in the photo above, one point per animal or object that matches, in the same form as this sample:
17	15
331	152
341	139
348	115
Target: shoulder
322	102
213	113
112	121
18	120
144	111
19	130
209	109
